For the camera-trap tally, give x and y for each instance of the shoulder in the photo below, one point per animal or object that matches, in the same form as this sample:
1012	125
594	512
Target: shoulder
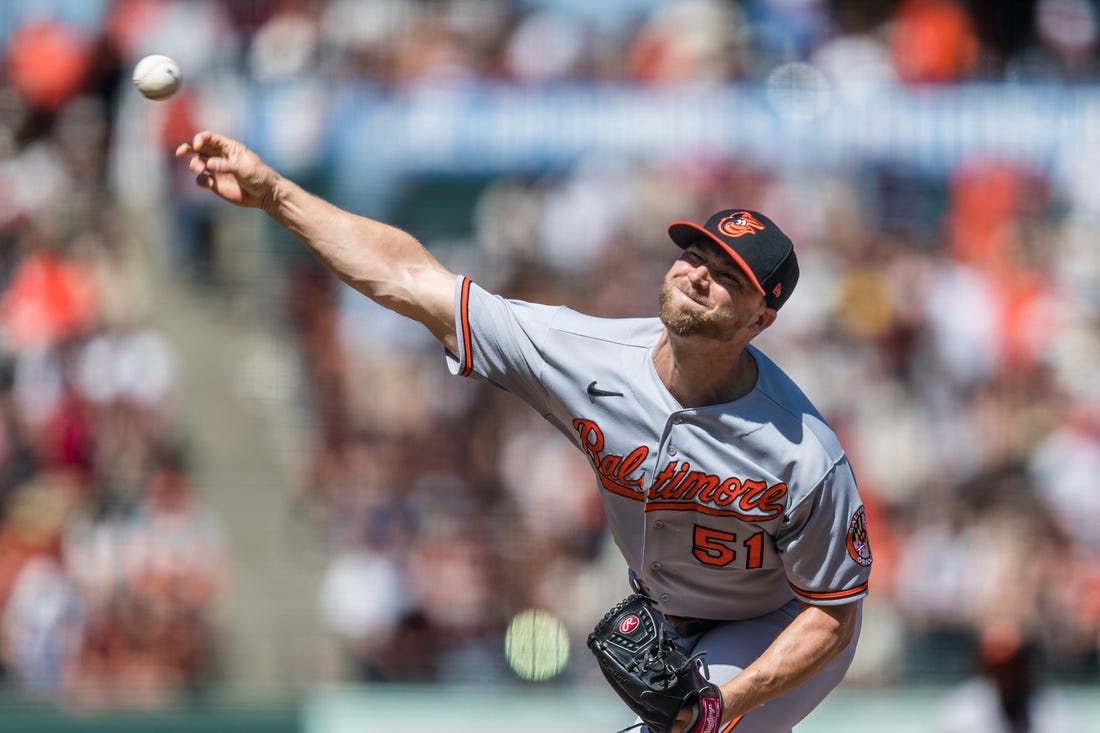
795	432
626	331
789	405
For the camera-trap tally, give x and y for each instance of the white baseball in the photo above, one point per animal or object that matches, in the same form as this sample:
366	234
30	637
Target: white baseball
157	76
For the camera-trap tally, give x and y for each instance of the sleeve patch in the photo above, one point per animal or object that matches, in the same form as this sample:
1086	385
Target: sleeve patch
859	547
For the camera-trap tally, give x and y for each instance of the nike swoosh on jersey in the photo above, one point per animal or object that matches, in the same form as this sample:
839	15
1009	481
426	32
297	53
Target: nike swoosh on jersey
594	391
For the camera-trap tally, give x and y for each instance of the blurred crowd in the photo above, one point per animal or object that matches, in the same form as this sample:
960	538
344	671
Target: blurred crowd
945	325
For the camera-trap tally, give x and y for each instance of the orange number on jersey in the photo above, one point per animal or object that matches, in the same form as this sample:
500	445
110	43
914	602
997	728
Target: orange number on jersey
712	546
715	547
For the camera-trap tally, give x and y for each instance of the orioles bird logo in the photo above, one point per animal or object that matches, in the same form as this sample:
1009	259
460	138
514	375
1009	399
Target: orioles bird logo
739	224
858	546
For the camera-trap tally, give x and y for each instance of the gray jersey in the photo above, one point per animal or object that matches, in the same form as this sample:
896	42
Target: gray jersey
724	512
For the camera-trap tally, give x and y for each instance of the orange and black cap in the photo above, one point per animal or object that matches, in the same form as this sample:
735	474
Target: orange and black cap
755	243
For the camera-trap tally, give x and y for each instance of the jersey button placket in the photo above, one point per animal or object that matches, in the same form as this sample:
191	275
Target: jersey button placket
670	449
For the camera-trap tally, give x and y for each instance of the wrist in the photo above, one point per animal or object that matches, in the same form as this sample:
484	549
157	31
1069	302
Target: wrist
273	194
732	704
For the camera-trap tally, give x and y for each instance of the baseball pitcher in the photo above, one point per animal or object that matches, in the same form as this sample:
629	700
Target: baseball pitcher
729	496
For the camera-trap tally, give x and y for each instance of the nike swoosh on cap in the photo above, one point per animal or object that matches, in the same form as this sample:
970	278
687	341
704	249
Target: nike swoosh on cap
594	391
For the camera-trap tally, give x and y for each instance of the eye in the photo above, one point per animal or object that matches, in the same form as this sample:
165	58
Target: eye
728	278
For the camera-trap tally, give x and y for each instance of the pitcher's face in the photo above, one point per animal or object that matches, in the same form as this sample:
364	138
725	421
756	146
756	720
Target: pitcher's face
706	294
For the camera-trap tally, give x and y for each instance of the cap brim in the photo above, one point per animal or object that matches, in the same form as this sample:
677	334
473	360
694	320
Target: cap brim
684	233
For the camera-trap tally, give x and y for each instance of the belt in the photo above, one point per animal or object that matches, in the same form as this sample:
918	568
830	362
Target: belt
691	626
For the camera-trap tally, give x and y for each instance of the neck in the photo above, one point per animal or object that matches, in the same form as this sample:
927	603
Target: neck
699	372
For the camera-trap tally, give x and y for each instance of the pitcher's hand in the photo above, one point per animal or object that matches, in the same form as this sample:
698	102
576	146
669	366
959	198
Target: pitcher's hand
229	169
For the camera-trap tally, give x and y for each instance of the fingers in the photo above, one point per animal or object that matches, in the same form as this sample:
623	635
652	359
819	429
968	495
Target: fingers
208	151
203	148
206	144
197	144
226	167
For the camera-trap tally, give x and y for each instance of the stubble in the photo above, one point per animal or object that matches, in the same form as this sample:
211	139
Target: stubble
701	323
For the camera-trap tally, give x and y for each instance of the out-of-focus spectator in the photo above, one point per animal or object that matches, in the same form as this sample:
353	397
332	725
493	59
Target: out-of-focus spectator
363	601
41	615
1007	693
933	42
1061	467
42	628
546	46
151	580
49	63
690	41
1066	35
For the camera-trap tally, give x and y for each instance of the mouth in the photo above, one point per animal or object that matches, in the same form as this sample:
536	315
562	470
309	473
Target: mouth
693	298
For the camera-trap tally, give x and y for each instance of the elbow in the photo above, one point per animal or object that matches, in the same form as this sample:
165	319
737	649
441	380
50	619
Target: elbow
846	620
838	624
846	633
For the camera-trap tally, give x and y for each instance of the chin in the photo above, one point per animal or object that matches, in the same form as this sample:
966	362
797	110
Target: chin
682	320
686	324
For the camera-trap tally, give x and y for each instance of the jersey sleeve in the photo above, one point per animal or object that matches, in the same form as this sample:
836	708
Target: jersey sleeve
824	544
501	341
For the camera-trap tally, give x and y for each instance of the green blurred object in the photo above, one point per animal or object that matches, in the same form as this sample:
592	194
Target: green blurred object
21	716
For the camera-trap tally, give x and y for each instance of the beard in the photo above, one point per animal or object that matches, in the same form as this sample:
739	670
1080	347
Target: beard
705	324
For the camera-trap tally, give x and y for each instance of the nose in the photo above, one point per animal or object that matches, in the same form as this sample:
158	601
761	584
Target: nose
699	275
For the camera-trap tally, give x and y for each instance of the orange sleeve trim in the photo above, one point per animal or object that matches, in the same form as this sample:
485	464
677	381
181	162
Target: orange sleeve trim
834	595
464	325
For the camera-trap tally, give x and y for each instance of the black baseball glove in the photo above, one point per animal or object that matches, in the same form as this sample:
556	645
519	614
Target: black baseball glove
652	669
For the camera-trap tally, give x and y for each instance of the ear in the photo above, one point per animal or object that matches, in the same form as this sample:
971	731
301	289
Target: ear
765	319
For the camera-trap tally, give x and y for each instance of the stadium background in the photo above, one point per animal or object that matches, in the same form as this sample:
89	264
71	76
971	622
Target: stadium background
234	496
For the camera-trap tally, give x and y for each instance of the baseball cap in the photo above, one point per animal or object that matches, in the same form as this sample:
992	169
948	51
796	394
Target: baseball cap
755	243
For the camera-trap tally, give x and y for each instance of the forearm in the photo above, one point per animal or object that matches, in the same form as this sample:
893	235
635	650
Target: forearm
379	260
815	637
382	262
